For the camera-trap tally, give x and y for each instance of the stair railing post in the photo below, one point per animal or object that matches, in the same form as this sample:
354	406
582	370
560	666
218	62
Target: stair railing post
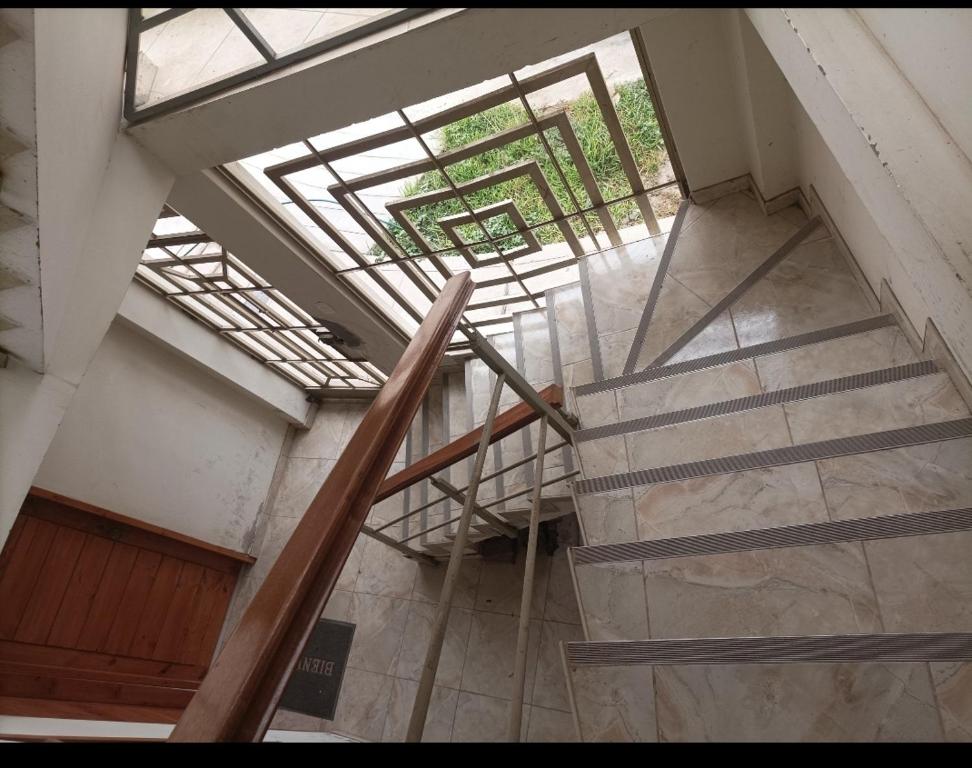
526	597
416	723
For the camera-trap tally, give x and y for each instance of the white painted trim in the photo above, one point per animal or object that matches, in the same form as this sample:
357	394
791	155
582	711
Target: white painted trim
154	317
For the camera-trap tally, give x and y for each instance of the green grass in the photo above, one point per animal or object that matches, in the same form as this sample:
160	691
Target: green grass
637	117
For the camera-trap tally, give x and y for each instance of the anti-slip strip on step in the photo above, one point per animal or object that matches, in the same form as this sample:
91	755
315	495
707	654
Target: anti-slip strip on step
656	284
750	402
736	293
735	355
820	649
824	449
807	534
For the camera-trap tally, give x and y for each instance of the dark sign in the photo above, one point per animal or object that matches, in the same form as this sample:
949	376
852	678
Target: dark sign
316	681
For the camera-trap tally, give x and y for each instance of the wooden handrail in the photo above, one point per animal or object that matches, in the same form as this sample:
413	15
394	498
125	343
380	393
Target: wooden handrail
508	422
237	699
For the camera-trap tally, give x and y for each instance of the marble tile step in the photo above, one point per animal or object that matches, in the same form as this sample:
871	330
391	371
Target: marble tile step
761	400
878	527
811	451
743	353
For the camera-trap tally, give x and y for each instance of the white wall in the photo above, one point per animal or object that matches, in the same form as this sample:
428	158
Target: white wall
152	436
693	61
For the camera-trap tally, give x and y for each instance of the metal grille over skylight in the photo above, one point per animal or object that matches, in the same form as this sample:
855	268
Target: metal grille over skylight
189	269
514	180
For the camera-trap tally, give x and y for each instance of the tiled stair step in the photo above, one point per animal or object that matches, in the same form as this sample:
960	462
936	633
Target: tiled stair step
823	449
731	356
738	291
751	402
884	647
881	527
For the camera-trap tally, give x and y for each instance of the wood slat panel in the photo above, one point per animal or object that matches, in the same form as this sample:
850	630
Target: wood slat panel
132	604
22	571
212	601
216	618
80	710
156	606
45	598
85	580
71	689
172	537
105	676
12	652
62	515
107	599
11	544
174	633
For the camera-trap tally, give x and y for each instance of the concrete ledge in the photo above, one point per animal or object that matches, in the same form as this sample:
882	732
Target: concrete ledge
154	317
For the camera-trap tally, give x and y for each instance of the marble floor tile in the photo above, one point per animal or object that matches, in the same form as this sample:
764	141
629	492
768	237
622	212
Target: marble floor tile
537	355
484	719
338	606
561	602
812	288
379	628
738	501
287	720
334	424
385	571
428	583
953	689
501	585
438	722
551	726
604	456
618	304
614	351
717	336
755	430
491	655
675	312
550	688
923	583
860	353
712	385
608	518
615	703
597	410
571	324
301	480
908	403
796	702
919	478
362	705
612	598
418	630
814	590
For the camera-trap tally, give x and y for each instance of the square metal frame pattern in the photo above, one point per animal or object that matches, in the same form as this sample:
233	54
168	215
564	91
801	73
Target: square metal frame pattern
345	191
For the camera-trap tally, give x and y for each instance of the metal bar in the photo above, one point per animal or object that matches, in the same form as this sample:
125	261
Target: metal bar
553	158
593	340
407	551
655	292
526	597
775	457
160	18
462	198
819	649
530	228
773	347
517	383
736	293
416	723
251	33
488	517
762	400
565	476
803	535
132	43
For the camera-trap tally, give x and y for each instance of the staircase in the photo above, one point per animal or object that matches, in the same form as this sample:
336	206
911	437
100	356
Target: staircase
775	495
